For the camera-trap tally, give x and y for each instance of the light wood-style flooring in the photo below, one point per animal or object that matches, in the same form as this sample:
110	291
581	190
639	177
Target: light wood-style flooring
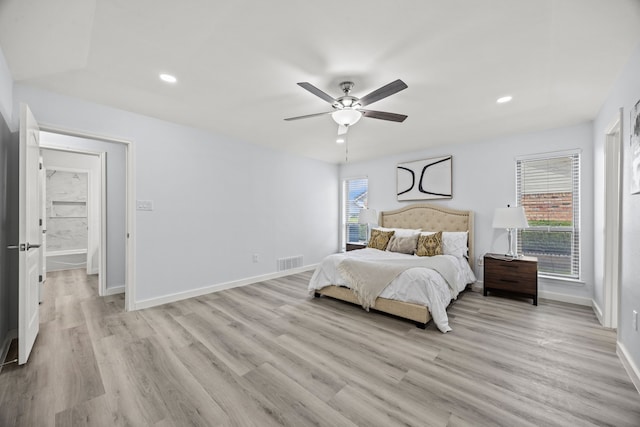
268	355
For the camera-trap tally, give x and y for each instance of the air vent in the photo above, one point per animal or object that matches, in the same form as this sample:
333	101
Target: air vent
289	262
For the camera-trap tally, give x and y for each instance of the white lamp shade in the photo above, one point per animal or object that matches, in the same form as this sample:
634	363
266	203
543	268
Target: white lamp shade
346	116
510	218
368	216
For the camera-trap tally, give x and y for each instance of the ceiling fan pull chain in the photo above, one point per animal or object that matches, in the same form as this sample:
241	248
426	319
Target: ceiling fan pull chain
346	151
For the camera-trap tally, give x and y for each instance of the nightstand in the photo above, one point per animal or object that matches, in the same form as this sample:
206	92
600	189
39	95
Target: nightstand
517	276
353	246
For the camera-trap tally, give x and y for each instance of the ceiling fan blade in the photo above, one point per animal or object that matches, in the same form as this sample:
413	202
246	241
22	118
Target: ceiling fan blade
383	115
383	92
307	116
317	92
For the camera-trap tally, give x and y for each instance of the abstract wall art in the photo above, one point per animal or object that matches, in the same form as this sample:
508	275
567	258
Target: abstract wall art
424	179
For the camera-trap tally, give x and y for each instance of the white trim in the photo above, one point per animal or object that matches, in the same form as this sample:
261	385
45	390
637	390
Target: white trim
114	290
611	214
152	302
629	365
598	311
46	127
478	286
130	246
571	299
130	265
550	154
563	280
4	350
66	252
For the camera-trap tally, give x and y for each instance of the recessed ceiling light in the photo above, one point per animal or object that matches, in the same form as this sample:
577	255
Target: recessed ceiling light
504	99
168	78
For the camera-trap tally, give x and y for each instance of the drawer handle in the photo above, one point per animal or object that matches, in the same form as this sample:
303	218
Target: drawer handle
509	281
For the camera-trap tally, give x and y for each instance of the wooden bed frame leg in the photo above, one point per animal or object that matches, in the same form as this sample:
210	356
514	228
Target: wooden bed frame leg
421	325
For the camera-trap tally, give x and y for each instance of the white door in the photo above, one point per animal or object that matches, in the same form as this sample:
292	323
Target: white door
29	234
43	222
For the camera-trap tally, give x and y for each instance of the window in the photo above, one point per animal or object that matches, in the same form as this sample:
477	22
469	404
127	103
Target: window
548	188
355	195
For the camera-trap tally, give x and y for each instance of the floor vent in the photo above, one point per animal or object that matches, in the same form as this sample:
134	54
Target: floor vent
289	262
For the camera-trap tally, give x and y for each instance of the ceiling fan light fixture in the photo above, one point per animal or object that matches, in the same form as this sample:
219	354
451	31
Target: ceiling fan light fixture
346	116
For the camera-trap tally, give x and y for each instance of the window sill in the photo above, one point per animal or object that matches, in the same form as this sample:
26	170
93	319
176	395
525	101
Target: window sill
564	280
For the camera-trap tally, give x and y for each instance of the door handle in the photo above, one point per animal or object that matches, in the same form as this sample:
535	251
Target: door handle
23	247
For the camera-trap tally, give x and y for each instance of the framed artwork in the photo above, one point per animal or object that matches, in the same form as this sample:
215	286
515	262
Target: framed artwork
635	149
424	179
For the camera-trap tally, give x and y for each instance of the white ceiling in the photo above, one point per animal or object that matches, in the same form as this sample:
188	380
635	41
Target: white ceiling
238	62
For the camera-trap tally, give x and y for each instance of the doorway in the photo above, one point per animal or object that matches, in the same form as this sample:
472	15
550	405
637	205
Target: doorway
612	200
74	213
116	257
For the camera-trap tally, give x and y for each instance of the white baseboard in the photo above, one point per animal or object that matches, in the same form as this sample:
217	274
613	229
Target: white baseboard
11	335
572	299
114	290
554	296
629	365
477	286
152	302
598	311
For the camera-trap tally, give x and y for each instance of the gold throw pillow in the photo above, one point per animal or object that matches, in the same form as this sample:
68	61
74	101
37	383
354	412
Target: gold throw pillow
430	245
380	239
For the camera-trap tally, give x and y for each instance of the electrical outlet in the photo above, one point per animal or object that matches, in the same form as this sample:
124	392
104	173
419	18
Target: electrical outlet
256	258
144	205
480	261
635	320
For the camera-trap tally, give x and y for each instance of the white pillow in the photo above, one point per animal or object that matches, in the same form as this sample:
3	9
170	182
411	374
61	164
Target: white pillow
400	232
453	243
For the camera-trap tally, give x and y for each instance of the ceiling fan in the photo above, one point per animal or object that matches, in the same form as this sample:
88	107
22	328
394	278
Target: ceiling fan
347	109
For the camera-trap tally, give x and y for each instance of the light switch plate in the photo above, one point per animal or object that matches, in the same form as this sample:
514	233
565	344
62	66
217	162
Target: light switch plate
144	205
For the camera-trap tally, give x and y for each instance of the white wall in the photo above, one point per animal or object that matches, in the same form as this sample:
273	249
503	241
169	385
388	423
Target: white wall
116	198
216	200
625	93
6	90
484	179
56	159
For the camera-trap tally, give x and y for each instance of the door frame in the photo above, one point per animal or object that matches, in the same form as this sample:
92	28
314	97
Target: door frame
102	230
612	215
130	225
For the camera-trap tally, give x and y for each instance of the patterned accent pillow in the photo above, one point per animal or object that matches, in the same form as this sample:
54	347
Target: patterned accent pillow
380	239
454	243
430	245
403	245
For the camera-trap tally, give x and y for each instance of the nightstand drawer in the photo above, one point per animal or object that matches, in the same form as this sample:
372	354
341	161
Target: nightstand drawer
354	246
519	275
511	284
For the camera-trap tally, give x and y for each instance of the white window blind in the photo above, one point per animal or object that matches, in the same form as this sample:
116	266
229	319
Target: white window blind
355	196
549	190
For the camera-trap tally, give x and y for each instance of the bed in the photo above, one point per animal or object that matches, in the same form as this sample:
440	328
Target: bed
411	294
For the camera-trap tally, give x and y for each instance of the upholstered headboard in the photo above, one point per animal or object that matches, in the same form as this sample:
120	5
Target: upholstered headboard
430	218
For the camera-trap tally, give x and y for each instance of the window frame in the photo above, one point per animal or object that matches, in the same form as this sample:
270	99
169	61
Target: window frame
576	229
344	233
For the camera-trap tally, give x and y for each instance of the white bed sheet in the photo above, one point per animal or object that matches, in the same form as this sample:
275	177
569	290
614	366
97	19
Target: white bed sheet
417	285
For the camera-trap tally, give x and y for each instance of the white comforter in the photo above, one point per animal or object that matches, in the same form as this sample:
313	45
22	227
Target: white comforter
416	285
